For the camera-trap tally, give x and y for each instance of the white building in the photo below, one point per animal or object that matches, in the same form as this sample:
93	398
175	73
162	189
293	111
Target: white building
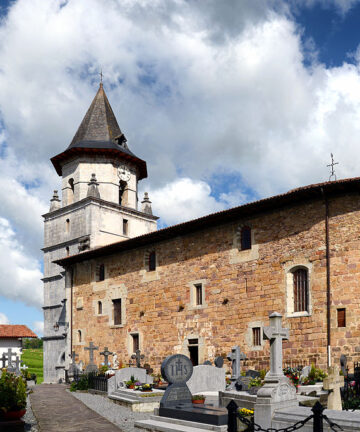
11	336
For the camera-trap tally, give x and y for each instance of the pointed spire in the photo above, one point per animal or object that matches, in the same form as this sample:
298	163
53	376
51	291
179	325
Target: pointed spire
55	202
93	190
99	123
146	204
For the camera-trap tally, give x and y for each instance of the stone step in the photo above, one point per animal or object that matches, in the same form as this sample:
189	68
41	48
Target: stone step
165	424
124	398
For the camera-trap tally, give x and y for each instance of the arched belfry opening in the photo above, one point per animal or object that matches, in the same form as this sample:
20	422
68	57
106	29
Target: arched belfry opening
71	191
123	193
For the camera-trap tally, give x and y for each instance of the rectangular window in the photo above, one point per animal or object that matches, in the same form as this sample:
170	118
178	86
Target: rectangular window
101	272
125	226
256	336
245	238
300	290
135	340
152	261
341	317
198	294
117	312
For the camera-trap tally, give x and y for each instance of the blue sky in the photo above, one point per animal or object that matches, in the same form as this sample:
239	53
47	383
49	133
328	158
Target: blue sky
227	102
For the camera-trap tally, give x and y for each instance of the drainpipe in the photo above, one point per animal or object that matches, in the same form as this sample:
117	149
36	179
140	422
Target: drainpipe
328	283
71	309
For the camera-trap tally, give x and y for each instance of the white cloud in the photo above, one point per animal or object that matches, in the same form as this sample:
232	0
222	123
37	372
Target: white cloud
38	327
4	319
20	273
197	90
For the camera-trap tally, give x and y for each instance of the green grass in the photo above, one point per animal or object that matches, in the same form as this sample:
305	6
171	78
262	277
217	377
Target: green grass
33	358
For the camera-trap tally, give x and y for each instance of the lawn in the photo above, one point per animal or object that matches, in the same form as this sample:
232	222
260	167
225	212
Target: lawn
33	358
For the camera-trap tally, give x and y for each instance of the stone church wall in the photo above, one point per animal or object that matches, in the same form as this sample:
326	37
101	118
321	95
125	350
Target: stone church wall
241	288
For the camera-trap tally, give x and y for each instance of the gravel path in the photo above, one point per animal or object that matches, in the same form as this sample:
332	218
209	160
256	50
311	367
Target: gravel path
29	419
118	414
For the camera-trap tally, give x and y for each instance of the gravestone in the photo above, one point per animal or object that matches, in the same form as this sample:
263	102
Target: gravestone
91	367
242	383
206	378
277	391
125	374
252	373
73	367
235	357
304	373
207	363
3	360
176	402
343	364
333	383
219	362
10	354
106	353
138	357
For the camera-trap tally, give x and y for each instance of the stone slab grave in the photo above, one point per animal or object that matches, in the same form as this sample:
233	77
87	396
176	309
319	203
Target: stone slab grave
333	383
135	400
176	410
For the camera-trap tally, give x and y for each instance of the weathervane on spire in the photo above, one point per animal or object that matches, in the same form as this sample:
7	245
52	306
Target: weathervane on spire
101	76
332	168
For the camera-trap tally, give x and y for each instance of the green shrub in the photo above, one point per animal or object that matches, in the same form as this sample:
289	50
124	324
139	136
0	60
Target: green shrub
12	392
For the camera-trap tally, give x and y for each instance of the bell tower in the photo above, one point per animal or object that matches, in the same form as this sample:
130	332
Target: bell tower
98	206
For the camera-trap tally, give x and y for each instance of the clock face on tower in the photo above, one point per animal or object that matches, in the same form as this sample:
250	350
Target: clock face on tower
123	173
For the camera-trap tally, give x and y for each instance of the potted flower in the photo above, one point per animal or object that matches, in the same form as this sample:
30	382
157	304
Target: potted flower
146	388
198	399
12	396
247	415
131	383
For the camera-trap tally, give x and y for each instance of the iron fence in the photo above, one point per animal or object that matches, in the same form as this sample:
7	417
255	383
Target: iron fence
98	382
317	417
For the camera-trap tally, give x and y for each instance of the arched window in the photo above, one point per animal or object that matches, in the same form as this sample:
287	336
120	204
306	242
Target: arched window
301	290
245	240
122	187
79	336
71	190
67	251
99	307
67	226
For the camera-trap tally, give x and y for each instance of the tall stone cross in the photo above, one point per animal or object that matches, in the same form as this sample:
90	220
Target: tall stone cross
138	357
10	354
276	334
106	353
17	365
91	348
235	357
333	383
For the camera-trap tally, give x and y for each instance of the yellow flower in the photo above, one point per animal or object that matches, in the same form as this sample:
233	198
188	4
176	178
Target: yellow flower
246	412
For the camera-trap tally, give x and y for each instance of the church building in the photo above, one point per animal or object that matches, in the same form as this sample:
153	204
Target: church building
199	287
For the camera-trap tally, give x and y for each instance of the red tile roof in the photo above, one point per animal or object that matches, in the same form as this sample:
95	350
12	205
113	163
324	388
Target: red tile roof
15	331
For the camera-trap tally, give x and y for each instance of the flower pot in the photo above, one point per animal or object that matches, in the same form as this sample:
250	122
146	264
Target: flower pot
198	401
14	415
132	386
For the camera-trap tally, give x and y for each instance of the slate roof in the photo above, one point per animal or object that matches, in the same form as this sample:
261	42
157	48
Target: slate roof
292	197
99	132
15	331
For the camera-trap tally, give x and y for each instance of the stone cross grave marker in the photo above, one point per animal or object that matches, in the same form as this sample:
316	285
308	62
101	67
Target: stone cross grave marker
73	368
235	357
73	357
333	383
275	334
138	357
3	360
106	353
91	367
176	370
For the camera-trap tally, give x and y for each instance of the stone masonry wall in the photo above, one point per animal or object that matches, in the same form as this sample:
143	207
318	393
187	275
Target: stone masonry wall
241	289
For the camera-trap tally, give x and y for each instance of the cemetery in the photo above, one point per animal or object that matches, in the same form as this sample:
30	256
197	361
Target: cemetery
200	398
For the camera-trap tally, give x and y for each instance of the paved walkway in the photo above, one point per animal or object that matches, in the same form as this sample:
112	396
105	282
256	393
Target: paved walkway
57	410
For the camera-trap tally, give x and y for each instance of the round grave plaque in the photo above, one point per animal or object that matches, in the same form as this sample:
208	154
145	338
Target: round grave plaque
177	369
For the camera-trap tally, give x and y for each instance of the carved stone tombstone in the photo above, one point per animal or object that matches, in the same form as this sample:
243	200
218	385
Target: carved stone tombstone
91	367
277	391
333	383
235	357
343	364
219	362
176	370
